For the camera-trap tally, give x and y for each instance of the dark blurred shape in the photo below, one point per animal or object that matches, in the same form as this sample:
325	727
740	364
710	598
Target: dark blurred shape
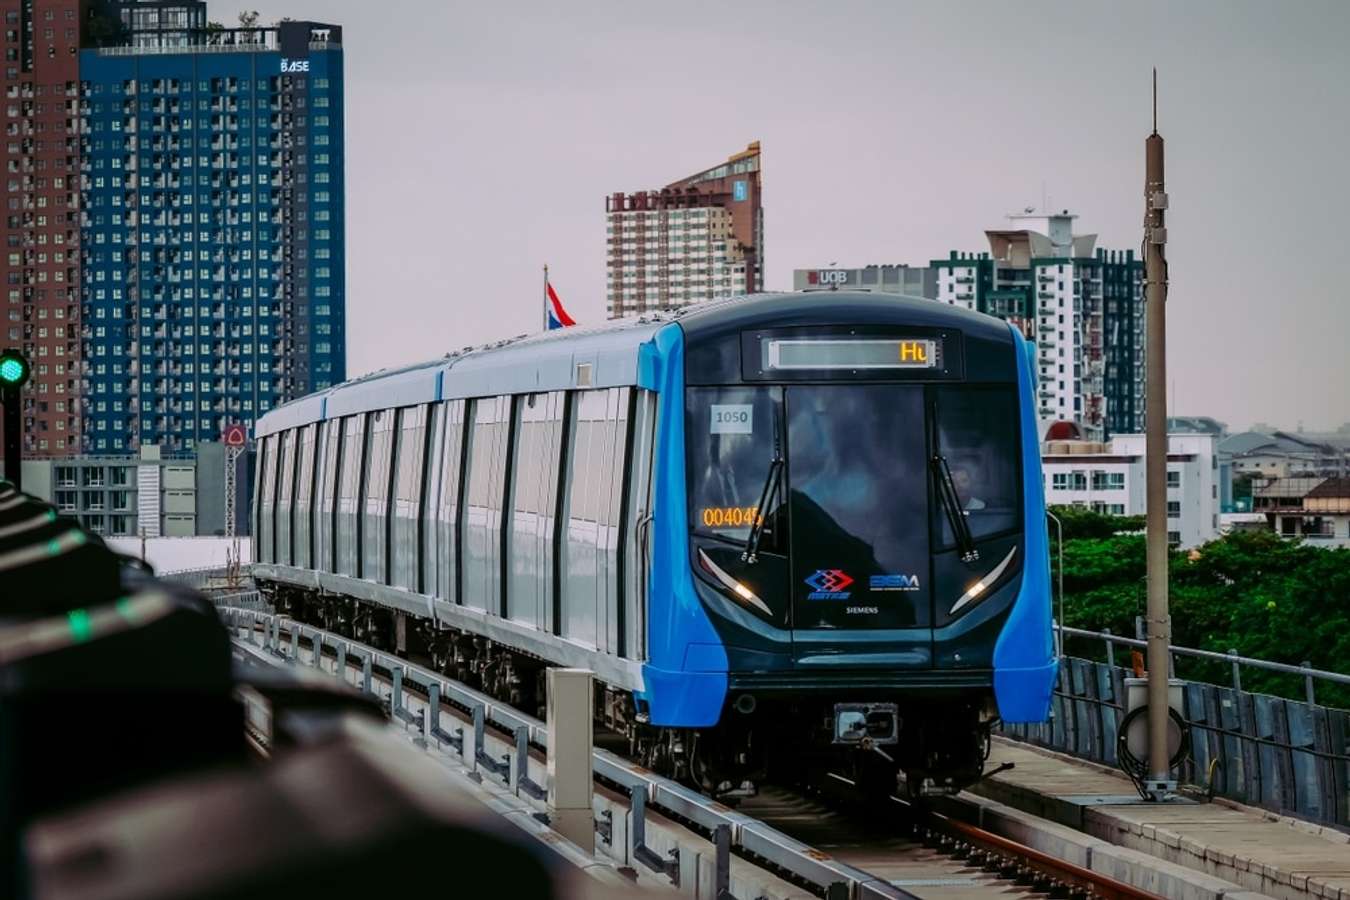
124	762
48	564
356	815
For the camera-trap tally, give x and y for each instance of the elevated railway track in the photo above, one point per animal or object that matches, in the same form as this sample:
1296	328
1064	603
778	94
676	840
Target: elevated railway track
821	840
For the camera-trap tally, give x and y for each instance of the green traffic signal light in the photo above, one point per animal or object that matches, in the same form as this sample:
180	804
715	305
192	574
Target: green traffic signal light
14	369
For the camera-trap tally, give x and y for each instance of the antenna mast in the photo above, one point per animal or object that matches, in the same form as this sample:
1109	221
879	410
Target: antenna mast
1160	783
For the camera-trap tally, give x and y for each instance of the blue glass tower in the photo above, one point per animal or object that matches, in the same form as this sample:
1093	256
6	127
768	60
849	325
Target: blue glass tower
212	230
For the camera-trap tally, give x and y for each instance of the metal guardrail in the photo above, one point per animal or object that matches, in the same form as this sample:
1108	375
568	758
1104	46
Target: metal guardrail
725	827
208	576
1305	670
1287	756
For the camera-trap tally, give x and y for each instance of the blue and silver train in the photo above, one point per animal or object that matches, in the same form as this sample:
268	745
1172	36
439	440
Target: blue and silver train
782	530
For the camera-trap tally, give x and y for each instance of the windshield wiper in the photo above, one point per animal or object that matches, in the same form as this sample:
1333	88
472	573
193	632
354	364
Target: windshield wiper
750	554
951	504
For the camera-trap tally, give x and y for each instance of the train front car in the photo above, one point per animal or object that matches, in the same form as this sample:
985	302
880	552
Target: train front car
852	535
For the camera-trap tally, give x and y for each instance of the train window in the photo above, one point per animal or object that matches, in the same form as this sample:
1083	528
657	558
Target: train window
304	498
534	492
267	465
977	434
347	539
407	496
447	502
483	511
733	436
536	472
286	497
374	538
596	487
326	503
596	473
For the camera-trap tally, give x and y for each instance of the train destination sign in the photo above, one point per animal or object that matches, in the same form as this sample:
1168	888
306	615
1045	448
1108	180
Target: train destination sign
824	354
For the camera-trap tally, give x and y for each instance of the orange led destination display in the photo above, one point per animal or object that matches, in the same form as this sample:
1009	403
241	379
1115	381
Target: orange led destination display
852	353
728	516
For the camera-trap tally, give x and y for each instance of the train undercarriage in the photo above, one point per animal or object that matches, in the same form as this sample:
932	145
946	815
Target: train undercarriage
939	743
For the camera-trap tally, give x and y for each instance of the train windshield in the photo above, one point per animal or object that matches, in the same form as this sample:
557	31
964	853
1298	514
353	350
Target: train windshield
858	488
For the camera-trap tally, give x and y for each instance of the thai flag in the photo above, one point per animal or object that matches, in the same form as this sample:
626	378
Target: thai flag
557	316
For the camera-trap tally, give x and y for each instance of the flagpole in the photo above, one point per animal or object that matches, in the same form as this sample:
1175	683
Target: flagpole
546	296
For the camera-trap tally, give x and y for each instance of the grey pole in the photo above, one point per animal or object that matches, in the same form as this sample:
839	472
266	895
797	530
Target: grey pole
1160	782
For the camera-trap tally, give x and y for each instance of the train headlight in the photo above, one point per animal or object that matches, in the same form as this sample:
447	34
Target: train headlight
982	586
743	593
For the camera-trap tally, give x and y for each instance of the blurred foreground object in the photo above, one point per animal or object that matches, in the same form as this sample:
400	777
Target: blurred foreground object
126	771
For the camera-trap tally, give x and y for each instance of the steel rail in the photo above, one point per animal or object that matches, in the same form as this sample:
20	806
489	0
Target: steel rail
1050	867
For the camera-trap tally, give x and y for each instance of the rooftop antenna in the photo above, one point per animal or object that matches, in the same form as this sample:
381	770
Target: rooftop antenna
1155	99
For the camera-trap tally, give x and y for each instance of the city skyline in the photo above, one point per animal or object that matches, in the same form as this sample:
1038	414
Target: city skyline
892	134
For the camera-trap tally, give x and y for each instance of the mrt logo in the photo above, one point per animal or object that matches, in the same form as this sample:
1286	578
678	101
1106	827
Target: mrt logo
829	584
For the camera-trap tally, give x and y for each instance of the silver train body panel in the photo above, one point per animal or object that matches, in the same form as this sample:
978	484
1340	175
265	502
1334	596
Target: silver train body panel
364	484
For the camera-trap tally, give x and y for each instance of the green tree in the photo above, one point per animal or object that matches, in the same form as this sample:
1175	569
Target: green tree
1253	592
1081	522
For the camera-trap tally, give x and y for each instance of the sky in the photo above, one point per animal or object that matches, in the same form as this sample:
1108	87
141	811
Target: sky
482	139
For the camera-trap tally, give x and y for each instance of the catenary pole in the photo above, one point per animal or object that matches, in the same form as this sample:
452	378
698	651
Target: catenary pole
1160	782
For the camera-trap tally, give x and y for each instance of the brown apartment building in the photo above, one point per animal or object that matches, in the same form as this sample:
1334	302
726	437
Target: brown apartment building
699	238
42	215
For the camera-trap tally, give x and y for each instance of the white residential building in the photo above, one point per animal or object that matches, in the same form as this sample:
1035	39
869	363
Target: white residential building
1110	478
700	238
1082	307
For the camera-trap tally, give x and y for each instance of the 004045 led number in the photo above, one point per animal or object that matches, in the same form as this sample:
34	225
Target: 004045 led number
730	516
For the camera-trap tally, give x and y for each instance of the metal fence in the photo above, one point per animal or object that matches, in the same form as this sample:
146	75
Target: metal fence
1304	671
212	578
627	834
249	600
1287	756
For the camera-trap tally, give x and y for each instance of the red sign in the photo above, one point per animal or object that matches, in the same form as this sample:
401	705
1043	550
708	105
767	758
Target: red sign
235	435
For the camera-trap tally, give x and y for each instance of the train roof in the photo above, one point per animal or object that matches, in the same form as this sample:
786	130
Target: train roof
524	364
549	360
837	308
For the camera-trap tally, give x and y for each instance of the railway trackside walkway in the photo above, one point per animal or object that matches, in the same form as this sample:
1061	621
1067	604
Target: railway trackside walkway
1264	852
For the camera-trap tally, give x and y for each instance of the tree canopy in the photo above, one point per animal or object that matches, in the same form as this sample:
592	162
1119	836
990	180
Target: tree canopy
1253	592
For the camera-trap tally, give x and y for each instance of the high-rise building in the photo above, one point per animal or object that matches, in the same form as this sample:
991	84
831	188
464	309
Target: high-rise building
1082	306
175	231
41	312
213	230
696	239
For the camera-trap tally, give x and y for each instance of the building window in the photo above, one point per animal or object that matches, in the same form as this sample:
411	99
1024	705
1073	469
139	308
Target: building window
1173	479
1173	509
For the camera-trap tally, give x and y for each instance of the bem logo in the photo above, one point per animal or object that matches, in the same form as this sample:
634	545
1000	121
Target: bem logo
893	582
829	584
320	35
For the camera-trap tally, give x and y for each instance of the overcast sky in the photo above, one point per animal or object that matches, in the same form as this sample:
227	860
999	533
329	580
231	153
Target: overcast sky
482	139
